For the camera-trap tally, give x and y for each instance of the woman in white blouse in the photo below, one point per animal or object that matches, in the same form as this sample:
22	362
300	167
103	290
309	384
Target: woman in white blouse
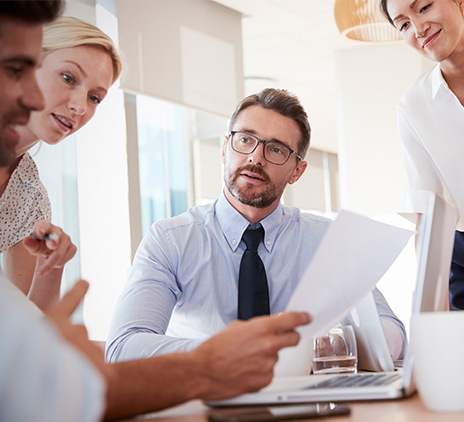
80	63
431	115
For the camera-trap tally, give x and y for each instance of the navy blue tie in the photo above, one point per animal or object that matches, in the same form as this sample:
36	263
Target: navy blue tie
253	292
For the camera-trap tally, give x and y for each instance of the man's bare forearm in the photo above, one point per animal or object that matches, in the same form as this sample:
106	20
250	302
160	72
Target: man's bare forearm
148	385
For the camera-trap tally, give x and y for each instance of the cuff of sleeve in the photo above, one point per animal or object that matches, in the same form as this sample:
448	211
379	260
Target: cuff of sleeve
413	203
395	338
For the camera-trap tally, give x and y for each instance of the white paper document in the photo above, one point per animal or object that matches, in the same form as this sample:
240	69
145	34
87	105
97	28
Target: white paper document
352	257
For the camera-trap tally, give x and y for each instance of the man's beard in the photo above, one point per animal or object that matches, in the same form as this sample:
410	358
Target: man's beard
8	145
7	152
245	195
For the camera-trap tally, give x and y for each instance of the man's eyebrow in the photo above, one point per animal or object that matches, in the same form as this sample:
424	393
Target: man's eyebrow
28	61
253	132
411	6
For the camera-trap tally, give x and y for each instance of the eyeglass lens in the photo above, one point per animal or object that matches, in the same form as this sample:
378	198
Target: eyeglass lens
274	152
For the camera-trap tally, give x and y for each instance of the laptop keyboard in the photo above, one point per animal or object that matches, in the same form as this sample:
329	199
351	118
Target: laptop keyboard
357	380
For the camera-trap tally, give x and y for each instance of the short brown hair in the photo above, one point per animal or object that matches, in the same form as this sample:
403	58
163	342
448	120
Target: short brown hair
284	103
31	11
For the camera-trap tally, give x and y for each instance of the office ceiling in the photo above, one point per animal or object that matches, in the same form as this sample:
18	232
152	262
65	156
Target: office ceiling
291	44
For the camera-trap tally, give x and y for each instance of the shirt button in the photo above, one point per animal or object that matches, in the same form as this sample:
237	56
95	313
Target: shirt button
234	242
268	242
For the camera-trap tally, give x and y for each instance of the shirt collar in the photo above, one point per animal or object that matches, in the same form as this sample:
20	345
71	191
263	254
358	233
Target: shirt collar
437	80
233	224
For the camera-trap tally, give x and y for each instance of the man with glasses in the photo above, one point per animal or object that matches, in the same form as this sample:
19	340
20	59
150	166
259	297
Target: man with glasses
242	255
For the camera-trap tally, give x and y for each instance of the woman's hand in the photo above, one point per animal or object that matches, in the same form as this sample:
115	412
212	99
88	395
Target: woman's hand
50	243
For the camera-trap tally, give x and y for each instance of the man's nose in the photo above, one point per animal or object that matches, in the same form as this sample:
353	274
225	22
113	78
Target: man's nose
32	98
257	156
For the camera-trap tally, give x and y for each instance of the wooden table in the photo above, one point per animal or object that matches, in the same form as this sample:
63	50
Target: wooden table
404	410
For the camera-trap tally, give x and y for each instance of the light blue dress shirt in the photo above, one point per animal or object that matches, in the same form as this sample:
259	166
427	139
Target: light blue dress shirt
182	286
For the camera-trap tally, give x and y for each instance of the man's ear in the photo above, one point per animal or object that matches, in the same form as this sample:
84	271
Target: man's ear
223	151
298	172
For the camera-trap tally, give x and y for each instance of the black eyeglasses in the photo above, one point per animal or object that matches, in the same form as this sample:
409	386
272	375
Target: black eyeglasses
273	151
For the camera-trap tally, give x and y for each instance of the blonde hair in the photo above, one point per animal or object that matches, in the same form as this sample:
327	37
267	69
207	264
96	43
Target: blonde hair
66	32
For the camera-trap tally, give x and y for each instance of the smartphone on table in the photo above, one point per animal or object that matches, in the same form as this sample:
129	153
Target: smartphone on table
278	413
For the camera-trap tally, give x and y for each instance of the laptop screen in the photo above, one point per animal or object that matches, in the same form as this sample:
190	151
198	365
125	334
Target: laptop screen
435	248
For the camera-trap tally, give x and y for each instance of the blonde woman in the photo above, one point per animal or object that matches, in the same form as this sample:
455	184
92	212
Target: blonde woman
80	63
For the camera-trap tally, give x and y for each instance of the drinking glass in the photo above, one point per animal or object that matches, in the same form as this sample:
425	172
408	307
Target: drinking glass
335	353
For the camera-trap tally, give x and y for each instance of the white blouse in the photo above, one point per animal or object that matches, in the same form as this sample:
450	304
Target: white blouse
431	127
23	203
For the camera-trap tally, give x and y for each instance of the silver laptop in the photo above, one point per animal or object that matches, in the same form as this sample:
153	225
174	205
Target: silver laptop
436	238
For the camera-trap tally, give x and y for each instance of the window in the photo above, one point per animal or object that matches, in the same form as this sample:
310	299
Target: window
163	156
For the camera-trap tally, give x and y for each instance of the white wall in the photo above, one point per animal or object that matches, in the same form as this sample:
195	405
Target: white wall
372	175
183	51
371	81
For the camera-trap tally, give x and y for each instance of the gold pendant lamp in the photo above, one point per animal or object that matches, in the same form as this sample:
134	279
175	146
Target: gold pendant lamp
362	20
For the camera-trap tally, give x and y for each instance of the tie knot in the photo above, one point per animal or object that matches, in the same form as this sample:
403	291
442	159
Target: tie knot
252	237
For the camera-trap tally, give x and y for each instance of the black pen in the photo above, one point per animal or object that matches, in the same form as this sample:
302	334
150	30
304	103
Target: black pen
46	236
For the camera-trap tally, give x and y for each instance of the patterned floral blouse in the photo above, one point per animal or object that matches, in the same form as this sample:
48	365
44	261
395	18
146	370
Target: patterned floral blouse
24	202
